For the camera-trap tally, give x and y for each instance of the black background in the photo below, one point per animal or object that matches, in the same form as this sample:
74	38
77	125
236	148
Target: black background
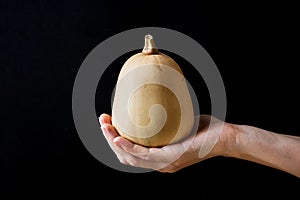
43	43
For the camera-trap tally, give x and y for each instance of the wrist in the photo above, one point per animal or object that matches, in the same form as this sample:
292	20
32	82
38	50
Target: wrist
229	142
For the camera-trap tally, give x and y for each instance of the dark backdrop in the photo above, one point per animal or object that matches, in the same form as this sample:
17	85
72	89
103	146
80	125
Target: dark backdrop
43	44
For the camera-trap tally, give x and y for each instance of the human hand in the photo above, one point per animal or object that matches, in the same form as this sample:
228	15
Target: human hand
211	140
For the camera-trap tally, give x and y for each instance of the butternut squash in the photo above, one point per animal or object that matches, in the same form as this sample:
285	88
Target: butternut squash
152	105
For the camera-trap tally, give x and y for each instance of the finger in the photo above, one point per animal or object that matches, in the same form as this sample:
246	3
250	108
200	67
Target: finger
110	135
124	157
130	147
104	119
109	132
165	154
137	162
130	159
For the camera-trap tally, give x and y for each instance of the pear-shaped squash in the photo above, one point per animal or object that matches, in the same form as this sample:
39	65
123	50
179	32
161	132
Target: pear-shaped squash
152	105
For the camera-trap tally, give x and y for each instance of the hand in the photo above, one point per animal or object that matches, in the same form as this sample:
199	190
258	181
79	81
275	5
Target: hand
211	140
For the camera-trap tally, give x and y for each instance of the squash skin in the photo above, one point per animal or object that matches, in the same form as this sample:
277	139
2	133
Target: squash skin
141	59
156	115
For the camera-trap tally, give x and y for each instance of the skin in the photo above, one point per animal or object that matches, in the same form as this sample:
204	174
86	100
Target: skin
231	140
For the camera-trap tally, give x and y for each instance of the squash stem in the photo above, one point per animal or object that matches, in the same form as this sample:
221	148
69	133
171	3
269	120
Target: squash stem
150	47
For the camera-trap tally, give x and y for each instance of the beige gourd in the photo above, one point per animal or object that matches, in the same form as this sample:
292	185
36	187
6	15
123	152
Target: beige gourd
152	104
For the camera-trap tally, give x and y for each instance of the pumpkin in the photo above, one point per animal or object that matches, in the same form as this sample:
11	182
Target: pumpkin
152	105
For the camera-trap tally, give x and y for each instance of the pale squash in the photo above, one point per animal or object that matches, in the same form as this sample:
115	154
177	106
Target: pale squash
152	105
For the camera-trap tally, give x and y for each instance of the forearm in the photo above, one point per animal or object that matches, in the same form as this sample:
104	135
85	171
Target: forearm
271	149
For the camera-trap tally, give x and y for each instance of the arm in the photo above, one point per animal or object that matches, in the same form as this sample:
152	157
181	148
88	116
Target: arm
239	141
267	148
